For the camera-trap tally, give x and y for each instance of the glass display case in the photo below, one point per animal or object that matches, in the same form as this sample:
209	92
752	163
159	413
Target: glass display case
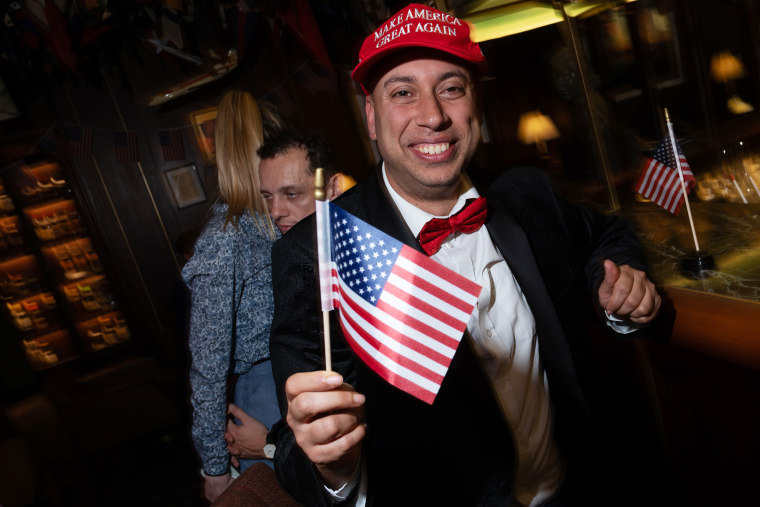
602	74
54	291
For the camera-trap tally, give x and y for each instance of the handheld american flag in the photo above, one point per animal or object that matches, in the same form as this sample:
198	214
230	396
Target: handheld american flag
659	180
402	313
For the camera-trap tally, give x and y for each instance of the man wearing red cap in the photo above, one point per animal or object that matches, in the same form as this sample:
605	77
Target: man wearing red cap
510	424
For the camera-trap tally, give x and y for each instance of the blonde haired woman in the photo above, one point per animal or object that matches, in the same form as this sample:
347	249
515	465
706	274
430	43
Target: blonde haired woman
229	277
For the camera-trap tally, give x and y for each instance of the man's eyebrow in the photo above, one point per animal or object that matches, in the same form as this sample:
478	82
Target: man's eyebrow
410	80
398	79
452	73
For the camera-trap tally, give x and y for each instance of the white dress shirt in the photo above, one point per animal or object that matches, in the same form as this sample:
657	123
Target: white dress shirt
503	333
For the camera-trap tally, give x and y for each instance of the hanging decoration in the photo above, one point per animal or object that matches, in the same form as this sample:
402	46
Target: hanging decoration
299	19
196	82
171	144
282	102
80	141
316	78
162	45
125	144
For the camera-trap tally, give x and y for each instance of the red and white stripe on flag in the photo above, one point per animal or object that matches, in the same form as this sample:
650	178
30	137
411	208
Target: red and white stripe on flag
402	313
659	180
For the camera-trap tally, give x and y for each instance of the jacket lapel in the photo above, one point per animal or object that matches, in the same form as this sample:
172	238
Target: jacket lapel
512	242
509	237
383	213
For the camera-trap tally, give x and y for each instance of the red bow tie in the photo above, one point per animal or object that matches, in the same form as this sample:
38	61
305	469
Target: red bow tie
468	219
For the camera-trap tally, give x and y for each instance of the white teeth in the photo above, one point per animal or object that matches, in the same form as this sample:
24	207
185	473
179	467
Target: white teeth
433	148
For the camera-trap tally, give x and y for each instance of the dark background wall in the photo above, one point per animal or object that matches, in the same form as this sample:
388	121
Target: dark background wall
104	76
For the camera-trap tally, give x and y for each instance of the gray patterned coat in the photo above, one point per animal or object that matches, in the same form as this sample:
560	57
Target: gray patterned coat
230	279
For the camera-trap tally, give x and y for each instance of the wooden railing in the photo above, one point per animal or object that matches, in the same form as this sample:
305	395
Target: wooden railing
719	326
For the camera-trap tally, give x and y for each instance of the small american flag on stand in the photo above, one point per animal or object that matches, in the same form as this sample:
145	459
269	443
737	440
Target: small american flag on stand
659	180
402	313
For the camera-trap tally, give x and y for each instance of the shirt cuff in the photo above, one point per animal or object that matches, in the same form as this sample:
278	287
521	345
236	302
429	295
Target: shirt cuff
359	478
621	326
216	466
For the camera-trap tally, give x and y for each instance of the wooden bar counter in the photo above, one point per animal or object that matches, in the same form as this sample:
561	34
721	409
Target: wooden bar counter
700	374
723	327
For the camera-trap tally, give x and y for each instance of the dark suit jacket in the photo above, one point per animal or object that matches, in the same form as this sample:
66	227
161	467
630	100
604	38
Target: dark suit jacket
457	451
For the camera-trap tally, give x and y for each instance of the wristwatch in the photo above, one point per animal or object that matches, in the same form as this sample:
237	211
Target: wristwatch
269	447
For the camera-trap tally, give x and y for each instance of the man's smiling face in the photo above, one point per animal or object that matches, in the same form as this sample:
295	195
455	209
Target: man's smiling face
423	113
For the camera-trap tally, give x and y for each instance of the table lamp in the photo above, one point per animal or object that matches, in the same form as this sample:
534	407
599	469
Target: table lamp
727	68
535	127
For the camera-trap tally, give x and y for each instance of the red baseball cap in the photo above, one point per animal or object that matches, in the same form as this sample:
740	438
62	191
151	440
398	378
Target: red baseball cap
418	26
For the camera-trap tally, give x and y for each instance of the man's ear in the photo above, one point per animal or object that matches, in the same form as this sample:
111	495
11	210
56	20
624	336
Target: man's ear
334	186
369	109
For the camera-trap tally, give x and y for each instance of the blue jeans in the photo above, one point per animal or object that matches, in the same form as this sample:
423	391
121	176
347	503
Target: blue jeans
255	393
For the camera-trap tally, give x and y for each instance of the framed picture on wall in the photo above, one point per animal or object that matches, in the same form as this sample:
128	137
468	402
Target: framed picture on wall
185	186
204	124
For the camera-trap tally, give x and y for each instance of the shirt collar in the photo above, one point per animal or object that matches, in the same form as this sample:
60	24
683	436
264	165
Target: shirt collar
415	217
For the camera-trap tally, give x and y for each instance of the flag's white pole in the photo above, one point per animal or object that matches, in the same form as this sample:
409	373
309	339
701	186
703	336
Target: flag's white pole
680	175
326	332
751	180
738	189
319	196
